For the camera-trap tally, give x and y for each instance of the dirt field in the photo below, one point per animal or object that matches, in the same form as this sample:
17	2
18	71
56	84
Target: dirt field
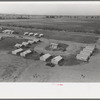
82	31
18	69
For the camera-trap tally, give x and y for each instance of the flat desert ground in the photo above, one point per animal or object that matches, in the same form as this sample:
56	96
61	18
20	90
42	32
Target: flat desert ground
18	69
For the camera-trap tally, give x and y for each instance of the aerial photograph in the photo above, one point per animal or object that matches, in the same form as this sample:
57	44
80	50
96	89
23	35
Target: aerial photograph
49	42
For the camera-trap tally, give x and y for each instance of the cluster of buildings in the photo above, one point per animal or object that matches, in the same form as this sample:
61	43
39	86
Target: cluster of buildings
54	60
86	53
25	44
34	34
21	51
44	57
8	31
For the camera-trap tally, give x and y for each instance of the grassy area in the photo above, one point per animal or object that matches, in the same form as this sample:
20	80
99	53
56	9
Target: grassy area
8	71
60	29
70	61
8	43
55	24
33	56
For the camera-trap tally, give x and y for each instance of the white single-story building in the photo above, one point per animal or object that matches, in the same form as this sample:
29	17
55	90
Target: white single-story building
25	53
36	34
53	45
26	33
86	52
82	57
41	35
45	57
30	41
90	47
36	40
30	34
15	52
56	59
25	43
8	31
18	45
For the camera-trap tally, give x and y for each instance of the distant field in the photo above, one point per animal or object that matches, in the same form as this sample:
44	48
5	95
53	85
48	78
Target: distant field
62	29
54	24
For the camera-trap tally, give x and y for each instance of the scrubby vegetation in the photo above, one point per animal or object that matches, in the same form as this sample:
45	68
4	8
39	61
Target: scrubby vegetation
8	43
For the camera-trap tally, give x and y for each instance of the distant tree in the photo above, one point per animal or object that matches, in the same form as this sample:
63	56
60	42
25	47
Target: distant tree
92	16
47	16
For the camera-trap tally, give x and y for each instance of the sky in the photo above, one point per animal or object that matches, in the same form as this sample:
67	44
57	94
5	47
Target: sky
51	8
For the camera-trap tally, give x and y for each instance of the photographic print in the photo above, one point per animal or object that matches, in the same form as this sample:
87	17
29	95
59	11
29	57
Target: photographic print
50	41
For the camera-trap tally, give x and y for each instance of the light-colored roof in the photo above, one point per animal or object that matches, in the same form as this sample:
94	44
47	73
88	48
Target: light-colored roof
46	55
31	33
24	43
36	34
18	50
82	57
90	47
86	52
41	34
30	41
57	58
27	51
26	32
17	45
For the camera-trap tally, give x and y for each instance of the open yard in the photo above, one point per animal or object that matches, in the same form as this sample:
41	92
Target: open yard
77	30
77	33
8	43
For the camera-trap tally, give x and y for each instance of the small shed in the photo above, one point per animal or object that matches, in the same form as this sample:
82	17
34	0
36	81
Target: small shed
15	52
41	35
53	45
82	57
8	31
36	34
26	33
30	34
36	40
25	53
45	57
18	45
90	47
25	43
56	59
30	42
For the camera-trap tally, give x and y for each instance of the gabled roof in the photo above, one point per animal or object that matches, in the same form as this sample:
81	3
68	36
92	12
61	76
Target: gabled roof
57	58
